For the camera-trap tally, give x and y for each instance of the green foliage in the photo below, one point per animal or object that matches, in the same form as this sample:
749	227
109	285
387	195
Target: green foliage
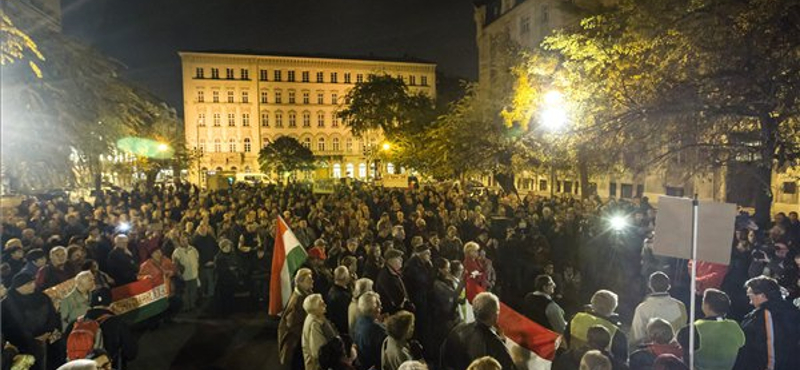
16	45
285	155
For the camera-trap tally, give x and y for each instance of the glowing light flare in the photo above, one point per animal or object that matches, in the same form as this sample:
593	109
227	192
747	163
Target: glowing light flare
386	147
618	223
144	147
554	119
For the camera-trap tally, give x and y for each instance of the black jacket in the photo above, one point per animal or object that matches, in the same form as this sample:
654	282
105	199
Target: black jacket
467	342
535	308
117	339
392	291
122	267
771	331
338	301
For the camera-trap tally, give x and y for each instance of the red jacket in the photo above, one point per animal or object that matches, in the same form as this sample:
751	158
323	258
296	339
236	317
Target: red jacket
709	275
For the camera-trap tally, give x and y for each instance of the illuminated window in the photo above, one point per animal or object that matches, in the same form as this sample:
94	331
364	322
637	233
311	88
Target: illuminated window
350	170
278	97
198	72
245	97
307	142
292	119
362	170
291	97
305	76
306	119
201	119
278	119
320	119
262	75
335	144
334	120
247	145
334	98
277	75
337	171
264	95
245	119
320	98
321	144
305	97
232	145
264	119
390	168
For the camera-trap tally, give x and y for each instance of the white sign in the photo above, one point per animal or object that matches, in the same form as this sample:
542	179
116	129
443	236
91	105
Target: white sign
715	228
395	181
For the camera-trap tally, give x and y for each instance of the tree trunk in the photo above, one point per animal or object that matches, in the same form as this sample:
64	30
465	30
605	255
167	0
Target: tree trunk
150	178
763	172
583	176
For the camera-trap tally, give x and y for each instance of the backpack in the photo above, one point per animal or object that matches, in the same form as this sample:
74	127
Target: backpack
85	337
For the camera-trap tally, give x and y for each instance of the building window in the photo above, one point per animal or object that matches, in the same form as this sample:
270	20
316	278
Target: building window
359	78
229	73
278	119
202	146
217	119
348	145
217	145
320	77
265	119
245	119
390	168
278	97
245	97
292	119
291	97
201	119
306	119
305	97
290	76
247	145
305	76
320	120
232	145
524	25
264	142
334	77
277	75
412	80
349	170
231	119
262	75
334	120
320	98
215	96
347	78
215	73
334	98
264	97
307	142
424	80
321	144
545	13
245	73
362	170
336	144
198	72
201	96
337	171
230	96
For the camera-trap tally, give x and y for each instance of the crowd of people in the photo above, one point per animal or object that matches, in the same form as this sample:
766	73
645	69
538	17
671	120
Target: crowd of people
384	283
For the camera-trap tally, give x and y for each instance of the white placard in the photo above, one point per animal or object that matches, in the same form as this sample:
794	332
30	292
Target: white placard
673	234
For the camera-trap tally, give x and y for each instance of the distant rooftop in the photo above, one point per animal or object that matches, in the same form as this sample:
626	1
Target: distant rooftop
376	58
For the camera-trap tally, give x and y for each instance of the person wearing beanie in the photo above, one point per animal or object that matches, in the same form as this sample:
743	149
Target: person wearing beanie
117	338
36	259
31	323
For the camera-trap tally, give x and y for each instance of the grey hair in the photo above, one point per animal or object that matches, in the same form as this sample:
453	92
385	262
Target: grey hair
362	286
368	302
412	365
300	273
484	305
311	302
84	275
341	273
604	302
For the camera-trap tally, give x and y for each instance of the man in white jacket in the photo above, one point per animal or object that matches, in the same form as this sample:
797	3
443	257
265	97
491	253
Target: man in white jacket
658	304
187	261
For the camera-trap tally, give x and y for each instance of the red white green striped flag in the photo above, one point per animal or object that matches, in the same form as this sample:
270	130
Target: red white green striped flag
287	257
135	302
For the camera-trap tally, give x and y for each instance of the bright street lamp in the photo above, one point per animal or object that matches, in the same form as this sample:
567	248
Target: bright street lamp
554	115
162	147
386	147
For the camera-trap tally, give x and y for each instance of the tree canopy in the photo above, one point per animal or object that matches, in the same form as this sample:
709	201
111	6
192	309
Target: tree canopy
285	155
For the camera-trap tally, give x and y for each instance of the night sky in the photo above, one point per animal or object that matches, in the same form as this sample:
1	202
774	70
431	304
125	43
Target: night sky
145	35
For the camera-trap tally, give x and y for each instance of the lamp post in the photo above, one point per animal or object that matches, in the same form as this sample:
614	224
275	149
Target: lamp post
553	118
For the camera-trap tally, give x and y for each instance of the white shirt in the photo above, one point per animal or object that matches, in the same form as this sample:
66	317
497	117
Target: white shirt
657	305
189	258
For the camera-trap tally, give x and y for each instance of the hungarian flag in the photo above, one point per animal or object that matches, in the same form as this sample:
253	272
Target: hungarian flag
287	257
527	341
134	302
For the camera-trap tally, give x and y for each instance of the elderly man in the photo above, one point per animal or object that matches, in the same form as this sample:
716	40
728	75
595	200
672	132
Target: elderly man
369	333
290	328
121	265
55	272
601	312
390	285
540	307
317	330
31	323
470	341
76	303
339	297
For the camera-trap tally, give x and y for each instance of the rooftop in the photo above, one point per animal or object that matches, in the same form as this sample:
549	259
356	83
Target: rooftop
375	58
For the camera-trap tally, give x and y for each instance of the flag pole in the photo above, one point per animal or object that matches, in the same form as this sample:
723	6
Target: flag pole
693	283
